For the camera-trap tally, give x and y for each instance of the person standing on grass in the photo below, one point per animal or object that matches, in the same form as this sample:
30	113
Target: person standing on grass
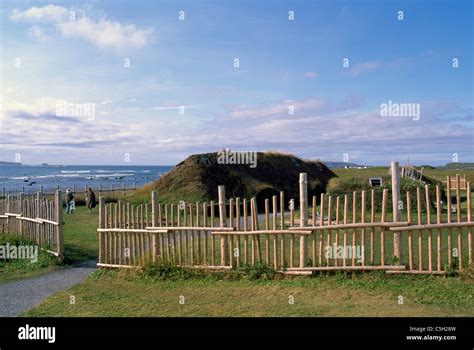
69	198
90	200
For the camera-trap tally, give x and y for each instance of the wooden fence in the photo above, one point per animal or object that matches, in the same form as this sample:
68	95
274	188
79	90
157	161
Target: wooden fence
356	231
80	193
38	219
456	181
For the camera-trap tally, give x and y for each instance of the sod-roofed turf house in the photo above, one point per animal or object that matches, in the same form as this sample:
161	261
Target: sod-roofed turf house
197	178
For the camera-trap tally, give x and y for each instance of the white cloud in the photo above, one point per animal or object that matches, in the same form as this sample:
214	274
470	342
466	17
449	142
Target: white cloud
101	32
105	33
279	109
325	129
48	13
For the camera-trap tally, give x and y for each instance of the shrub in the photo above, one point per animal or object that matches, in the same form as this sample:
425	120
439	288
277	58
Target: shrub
258	270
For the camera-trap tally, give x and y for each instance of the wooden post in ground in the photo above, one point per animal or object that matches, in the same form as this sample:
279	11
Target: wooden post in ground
256	225
20	199
382	231
458	212
154	223
303	216
282	227
252	228
438	221
428	221
101	225
275	239
231	238
321	223
246	243
37	228
448	212
372	220
420	233
410	234
7	230
396	197
469	218
237	226
213	241
204	212
222	223
59	227
267	227
363	229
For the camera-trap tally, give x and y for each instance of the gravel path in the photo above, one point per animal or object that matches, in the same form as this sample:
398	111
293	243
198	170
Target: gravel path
19	296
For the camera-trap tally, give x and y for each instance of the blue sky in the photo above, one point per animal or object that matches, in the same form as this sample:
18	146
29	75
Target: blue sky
49	58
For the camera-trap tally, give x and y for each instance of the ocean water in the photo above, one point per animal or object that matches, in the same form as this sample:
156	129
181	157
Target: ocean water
14	178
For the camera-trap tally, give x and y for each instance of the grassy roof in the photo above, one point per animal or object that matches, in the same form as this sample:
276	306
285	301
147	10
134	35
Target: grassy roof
197	178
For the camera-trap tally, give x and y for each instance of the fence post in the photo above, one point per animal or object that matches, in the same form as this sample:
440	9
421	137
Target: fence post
8	217
59	227
20	199
222	223
396	197
38	228
101	225
154	222
303	216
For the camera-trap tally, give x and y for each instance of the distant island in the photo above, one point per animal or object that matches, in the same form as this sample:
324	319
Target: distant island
448	166
344	165
9	163
52	165
457	166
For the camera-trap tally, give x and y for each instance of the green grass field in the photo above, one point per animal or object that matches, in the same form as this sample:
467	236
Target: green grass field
81	241
438	174
126	293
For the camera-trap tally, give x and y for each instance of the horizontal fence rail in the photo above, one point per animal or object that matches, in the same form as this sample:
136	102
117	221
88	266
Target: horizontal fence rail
111	191
348	232
37	219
